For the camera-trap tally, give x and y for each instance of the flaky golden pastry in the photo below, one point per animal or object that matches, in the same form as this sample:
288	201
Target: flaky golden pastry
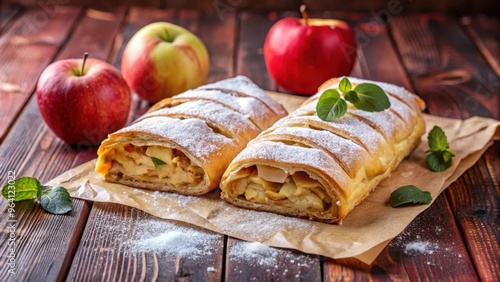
183	144
306	167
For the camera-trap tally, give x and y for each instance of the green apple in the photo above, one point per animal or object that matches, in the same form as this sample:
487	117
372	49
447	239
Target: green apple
162	60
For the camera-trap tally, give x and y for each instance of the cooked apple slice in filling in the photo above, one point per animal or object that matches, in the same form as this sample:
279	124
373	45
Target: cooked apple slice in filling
151	163
262	184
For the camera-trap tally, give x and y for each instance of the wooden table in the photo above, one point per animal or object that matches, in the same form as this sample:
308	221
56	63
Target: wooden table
453	64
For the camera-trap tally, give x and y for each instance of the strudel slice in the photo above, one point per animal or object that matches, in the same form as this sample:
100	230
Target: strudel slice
306	167
183	144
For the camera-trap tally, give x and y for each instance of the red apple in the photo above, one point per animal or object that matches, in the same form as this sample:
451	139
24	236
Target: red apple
82	101
301	54
162	60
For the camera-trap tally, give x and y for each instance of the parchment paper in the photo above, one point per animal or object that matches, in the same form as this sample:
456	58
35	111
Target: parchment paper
364	232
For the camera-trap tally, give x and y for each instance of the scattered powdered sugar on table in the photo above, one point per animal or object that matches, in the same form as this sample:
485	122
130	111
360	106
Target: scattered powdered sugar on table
275	262
421	247
160	236
254	253
211	269
411	242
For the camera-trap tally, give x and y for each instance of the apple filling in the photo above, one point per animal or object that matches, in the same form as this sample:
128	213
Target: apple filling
151	163
264	184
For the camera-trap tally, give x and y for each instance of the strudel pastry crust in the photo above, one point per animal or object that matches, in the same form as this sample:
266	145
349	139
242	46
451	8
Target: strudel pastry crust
306	167
183	144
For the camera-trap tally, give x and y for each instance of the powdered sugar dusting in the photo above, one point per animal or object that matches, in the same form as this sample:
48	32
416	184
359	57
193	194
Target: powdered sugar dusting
192	134
343	149
147	234
352	128
371	139
255	109
421	247
432	243
244	85
244	256
386	122
253	253
403	111
233	121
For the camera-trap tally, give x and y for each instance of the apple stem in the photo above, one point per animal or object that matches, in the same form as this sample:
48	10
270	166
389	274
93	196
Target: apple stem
304	14
85	56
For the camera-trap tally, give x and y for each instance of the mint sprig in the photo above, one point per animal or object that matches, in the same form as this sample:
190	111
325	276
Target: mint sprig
365	96
409	194
331	105
53	200
439	157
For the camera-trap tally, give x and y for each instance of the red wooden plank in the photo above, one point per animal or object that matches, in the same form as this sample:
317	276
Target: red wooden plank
474	200
7	14
27	48
135	246
427	250
247	261
253	28
445	67
483	31
449	72
47	243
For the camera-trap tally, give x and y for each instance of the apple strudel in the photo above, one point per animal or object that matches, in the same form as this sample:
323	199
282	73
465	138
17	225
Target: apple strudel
183	144
306	167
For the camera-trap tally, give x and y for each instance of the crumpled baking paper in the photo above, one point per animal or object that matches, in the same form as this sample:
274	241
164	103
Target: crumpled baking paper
364	232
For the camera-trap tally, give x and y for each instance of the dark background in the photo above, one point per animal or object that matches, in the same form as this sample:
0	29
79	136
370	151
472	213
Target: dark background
491	7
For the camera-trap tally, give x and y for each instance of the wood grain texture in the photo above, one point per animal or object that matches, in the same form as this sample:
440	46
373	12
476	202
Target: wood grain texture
446	67
460	7
7	14
125	244
27	47
253	28
47	243
247	261
427	250
409	6
455	80
484	32
474	201
222	6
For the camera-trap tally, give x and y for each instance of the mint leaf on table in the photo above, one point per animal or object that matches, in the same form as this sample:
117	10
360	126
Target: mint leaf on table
157	162
330	105
365	96
57	201
24	188
439	157
369	97
409	194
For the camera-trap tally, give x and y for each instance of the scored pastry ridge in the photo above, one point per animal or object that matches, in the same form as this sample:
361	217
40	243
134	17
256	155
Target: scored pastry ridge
184	144
306	167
